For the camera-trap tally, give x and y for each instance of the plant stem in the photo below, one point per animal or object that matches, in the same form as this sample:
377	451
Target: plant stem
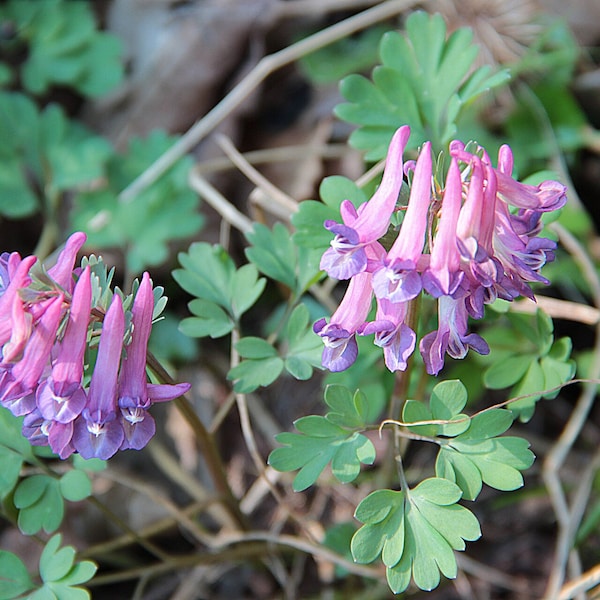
206	444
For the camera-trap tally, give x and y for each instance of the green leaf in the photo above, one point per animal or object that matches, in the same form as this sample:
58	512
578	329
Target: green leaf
60	575
143	227
506	372
347	409
55	563
91	464
414	532
311	215
11	463
319	443
496	461
253	373
209	274
40	504
425	80
304	347
447	399
75	485
255	347
246	288
64	47
540	364
11	437
352	53
14	578
273	253
210	320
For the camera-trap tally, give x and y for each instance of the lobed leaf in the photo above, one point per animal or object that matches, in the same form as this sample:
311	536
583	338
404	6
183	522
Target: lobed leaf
251	374
223	293
318	443
424	81
14	578
414	532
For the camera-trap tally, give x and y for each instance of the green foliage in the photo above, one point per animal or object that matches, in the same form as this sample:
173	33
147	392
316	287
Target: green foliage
311	214
423	81
369	375
301	347
415	532
222	292
527	357
168	343
43	151
338	538
14	578
14	450
348	55
471	451
333	439
62	47
261	367
275	255
143	227
40	499
299	351
60	575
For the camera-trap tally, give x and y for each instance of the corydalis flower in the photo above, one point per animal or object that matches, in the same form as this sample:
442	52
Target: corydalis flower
339	335
482	244
135	393
61	397
398	279
347	255
47	318
97	432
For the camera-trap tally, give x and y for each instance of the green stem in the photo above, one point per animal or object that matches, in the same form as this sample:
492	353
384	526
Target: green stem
206	444
403	378
50	231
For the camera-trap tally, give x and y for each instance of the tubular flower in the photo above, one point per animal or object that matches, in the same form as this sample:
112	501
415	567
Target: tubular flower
135	394
347	255
97	432
339	335
398	279
482	227
61	397
46	324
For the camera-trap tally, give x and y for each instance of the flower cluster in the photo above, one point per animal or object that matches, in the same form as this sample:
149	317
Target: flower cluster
465	243
47	323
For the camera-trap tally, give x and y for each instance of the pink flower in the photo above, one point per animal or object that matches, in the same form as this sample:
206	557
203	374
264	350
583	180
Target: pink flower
97	433
398	280
339	335
347	255
135	393
443	275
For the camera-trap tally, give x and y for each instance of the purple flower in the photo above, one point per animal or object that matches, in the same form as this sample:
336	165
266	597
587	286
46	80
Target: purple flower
391	333
62	272
23	377
22	326
451	336
97	432
521	256
42	432
18	272
61	397
443	276
339	335
347	255
135	394
398	280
